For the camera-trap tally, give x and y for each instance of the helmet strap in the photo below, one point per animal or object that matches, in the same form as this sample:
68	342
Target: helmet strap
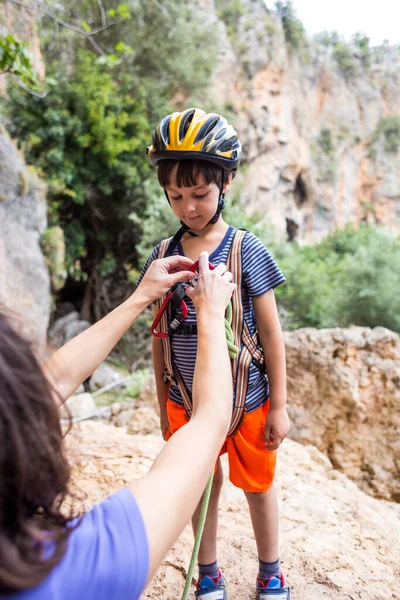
221	200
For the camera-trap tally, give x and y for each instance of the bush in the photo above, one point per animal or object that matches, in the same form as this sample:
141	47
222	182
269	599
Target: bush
292	27
230	11
348	279
344	57
361	42
325	141
389	129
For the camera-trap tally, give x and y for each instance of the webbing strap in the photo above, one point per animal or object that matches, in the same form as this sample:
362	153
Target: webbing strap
241	364
172	374
248	344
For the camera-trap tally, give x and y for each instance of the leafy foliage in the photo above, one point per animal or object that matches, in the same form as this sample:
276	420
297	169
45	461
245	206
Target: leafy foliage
344	56
87	139
292	26
347	279
389	129
15	59
230	12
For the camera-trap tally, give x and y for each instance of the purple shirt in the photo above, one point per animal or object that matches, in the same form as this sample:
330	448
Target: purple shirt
107	556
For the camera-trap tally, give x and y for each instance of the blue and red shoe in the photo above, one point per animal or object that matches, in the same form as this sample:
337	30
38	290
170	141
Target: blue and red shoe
273	589
211	588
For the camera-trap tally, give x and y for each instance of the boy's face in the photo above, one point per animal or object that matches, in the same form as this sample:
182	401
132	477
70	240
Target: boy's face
195	205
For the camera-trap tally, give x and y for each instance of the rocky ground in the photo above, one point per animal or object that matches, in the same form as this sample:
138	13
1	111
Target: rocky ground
337	542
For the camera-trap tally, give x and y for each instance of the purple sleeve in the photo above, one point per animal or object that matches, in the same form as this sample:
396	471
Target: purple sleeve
108	553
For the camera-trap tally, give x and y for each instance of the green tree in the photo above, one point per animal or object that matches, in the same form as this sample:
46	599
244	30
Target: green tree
87	139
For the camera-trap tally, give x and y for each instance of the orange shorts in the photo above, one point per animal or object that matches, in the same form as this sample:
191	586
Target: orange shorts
251	465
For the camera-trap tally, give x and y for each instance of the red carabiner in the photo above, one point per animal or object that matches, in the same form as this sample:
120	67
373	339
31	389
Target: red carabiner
160	334
195	267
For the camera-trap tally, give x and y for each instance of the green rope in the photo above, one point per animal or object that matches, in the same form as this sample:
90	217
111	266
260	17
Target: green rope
233	352
199	535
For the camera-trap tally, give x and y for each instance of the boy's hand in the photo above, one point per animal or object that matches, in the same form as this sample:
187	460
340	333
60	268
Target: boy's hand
162	274
213	289
276	427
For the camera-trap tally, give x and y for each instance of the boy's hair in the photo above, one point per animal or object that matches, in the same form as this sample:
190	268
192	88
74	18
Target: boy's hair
188	172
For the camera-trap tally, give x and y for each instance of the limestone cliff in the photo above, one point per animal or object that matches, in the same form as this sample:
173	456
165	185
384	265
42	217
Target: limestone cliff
312	127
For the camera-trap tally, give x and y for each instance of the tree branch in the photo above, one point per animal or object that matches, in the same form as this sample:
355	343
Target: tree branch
64	23
163	10
28	89
56	27
103	13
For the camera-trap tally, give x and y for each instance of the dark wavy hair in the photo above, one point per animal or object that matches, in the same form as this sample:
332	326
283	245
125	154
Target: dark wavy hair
34	472
189	171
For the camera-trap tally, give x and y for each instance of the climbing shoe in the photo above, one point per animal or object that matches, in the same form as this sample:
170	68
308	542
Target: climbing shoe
211	588
273	589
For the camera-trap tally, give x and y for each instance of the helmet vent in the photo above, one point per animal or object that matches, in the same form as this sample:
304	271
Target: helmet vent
185	124
220	133
164	129
225	146
206	128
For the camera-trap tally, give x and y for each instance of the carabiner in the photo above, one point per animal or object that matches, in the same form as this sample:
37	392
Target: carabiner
160	334
195	267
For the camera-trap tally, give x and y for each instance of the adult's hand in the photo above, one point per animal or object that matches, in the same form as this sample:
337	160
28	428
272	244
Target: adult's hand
214	289
162	275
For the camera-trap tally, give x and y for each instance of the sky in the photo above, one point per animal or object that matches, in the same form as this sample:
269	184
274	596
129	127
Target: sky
378	20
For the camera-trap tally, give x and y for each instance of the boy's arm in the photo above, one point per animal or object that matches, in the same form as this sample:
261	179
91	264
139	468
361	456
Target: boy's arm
272	342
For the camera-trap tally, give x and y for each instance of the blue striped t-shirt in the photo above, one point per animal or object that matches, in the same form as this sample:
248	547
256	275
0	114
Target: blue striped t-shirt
260	274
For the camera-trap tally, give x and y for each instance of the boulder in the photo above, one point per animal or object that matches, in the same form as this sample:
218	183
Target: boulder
344	398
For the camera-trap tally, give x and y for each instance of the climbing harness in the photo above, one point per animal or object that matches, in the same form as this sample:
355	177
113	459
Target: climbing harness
250	350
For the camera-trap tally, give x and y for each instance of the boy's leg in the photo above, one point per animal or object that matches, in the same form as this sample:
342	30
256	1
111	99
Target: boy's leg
252	468
208	546
264	517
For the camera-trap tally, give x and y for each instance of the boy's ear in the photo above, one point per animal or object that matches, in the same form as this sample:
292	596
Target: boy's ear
227	185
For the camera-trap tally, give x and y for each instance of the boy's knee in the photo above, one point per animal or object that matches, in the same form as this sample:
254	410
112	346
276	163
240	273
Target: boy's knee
259	495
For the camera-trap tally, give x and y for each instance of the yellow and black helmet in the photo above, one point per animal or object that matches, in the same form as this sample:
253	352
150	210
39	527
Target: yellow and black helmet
193	134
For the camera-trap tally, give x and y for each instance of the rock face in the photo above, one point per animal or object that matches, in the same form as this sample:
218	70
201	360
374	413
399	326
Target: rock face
344	398
24	279
336	541
309	127
66	328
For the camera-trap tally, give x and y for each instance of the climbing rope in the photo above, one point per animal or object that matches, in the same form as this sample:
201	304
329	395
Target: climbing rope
199	535
233	352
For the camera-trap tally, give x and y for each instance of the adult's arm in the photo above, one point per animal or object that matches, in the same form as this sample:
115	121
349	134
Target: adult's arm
76	360
168	495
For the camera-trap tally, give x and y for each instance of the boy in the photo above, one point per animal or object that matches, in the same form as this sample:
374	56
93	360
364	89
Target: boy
196	156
